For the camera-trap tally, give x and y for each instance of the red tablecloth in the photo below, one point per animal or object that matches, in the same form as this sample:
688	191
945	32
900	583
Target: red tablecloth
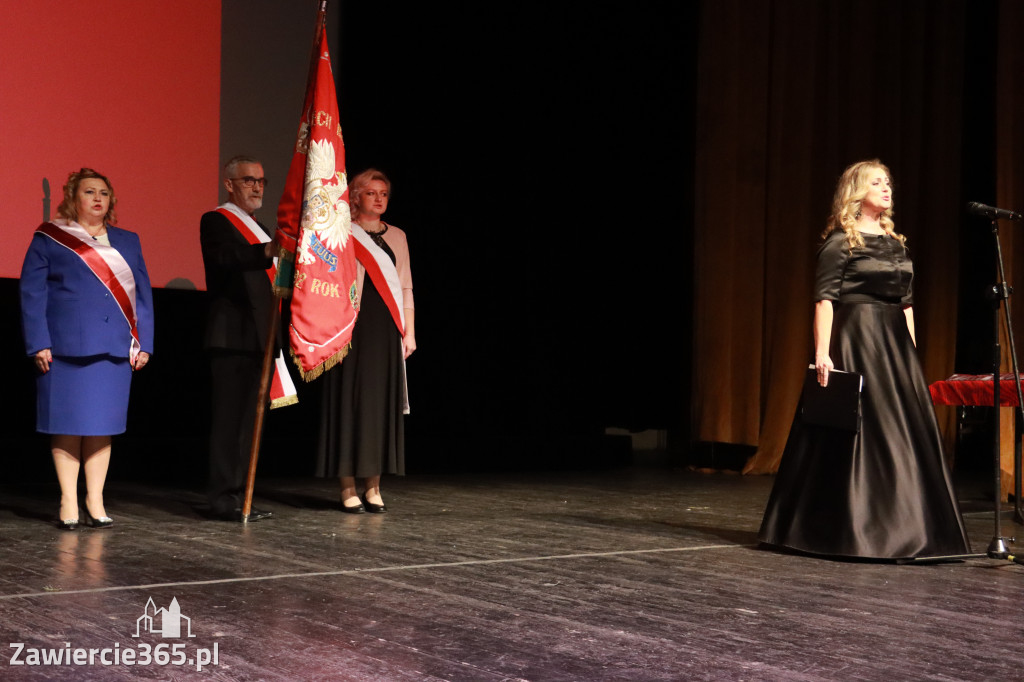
974	389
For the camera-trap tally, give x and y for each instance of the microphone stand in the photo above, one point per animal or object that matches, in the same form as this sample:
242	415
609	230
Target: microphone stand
1000	293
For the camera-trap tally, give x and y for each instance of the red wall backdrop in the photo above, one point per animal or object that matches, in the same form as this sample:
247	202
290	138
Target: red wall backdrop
129	88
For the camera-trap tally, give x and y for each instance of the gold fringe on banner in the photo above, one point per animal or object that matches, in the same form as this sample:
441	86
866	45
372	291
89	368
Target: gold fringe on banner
284	402
323	366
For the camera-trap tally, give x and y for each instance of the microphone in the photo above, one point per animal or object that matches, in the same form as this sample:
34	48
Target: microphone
46	200
991	211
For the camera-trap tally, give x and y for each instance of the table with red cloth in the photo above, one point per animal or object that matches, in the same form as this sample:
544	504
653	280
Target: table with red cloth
977	390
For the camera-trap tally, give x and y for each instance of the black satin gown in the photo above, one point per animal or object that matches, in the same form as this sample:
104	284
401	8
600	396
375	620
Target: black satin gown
885	492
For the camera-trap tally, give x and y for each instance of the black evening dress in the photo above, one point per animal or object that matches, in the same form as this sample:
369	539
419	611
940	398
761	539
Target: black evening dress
362	430
884	492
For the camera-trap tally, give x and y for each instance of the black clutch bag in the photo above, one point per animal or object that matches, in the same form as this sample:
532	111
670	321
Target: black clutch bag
837	405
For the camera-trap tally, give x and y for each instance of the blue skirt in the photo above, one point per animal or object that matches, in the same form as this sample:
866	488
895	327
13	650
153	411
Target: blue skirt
85	396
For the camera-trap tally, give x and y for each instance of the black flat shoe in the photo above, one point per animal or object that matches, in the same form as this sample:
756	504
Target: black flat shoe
357	509
68	524
236	515
259	514
374	508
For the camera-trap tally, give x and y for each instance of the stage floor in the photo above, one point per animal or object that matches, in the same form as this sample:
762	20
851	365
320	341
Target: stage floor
624	575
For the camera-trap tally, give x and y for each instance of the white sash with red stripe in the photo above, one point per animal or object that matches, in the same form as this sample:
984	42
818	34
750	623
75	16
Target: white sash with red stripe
384	275
282	388
104	261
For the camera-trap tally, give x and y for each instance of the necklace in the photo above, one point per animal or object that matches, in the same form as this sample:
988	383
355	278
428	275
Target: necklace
102	229
378	237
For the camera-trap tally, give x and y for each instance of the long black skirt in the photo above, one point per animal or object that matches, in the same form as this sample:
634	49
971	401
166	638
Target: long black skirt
882	493
362	429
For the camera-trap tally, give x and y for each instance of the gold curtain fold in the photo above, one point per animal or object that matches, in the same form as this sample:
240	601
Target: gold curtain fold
786	99
730	186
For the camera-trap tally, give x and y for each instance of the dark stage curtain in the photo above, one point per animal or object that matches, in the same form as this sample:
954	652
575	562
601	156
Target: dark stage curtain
789	93
1010	191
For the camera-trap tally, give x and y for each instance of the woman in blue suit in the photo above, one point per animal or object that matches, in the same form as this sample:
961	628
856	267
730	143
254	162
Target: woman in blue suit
87	316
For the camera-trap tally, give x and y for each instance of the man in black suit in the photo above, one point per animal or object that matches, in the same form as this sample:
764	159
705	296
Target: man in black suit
236	256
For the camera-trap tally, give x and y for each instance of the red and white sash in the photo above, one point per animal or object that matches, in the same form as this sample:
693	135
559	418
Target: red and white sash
104	261
382	272
282	389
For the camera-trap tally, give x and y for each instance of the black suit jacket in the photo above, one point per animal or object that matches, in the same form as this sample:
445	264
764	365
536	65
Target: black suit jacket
240	294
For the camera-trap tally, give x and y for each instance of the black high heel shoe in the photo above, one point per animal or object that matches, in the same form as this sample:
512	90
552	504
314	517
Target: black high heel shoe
98	522
66	524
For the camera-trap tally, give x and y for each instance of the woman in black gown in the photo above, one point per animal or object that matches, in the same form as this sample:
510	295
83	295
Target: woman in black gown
884	492
362	431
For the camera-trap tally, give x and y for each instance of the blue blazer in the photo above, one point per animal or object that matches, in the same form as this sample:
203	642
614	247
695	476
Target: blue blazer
65	308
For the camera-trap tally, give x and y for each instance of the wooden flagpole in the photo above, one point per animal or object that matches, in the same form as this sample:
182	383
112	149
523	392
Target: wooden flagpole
275	320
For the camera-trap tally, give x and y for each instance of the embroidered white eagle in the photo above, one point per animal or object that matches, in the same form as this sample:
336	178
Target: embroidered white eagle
323	210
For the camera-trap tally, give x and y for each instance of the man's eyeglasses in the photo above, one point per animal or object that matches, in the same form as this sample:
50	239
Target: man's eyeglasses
249	181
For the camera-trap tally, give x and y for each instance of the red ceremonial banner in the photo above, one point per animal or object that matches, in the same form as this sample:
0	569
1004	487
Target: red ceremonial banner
314	231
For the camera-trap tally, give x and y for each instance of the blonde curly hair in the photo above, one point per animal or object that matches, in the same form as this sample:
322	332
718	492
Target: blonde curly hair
846	204
68	207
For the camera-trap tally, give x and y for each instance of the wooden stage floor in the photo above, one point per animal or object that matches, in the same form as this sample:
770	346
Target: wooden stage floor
622	575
